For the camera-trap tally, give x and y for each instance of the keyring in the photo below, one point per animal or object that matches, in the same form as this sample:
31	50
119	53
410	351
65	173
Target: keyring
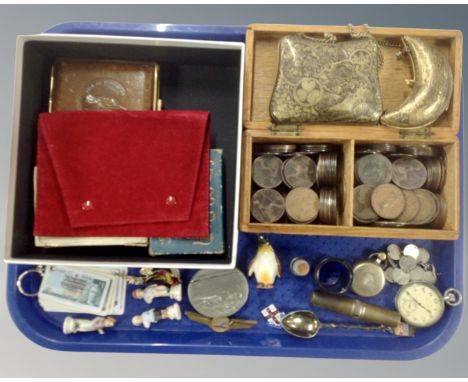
19	282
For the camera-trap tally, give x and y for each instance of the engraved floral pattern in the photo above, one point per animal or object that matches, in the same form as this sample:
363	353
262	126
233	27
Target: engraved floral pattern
326	81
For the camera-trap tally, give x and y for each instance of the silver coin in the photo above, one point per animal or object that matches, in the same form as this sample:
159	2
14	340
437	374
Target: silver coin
389	275
267	205
374	169
394	252
417	274
299	171
218	293
392	263
423	256
429	277
266	171
404	279
411	250
397	275
407	263
409	173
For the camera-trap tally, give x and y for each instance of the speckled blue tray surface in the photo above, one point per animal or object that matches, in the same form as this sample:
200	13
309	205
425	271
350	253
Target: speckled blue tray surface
290	292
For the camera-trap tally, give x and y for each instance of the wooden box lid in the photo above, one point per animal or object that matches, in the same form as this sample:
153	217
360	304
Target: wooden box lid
262	65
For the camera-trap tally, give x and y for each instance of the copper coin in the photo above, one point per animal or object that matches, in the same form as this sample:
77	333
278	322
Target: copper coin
409	173
412	206
439	221
299	171
267	205
428	210
374	169
388	201
302	205
362	209
266	171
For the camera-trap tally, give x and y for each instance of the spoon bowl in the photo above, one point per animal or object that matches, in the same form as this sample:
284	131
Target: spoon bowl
301	323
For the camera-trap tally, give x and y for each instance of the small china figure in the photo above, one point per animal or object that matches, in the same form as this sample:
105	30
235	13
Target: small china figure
153	291
74	325
153	316
155	276
265	265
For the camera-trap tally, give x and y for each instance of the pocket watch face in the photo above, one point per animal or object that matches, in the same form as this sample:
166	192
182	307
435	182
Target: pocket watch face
420	305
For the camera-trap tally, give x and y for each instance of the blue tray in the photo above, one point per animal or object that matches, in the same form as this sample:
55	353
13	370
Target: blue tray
290	293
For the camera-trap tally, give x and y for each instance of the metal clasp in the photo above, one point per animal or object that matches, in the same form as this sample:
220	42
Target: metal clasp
286	129
40	270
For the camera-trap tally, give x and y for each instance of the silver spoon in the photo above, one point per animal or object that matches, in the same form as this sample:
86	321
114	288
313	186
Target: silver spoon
305	324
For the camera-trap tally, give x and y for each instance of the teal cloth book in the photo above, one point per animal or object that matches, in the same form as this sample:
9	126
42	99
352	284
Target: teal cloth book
215	243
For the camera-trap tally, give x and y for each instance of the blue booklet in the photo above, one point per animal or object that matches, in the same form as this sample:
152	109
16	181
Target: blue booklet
215	243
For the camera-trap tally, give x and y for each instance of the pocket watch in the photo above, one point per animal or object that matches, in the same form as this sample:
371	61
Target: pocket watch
422	305
369	276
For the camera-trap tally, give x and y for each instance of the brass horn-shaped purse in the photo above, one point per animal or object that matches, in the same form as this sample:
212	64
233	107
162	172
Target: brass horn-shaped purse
325	80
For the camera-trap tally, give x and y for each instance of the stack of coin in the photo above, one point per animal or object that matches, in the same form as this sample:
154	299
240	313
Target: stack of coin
375	148
299	171
302	205
435	174
401	185
316	148
328	206
327	169
398	207
423	151
267	205
288	178
362	208
266	171
373	169
410	265
276	149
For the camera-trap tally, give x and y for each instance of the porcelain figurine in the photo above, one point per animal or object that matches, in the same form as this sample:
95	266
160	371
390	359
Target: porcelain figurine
74	325
153	291
153	316
265	265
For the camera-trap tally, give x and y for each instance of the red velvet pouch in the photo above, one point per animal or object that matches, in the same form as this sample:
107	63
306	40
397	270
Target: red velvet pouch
118	173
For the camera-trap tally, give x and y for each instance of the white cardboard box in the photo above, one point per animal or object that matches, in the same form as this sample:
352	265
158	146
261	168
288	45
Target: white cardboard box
194	74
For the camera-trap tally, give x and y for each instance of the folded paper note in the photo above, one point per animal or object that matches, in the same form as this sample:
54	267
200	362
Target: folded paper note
117	173
215	243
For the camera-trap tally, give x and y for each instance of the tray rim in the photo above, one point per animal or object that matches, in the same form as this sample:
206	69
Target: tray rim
196	31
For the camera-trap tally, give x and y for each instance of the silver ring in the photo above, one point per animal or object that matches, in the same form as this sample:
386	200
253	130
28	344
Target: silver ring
453	297
19	281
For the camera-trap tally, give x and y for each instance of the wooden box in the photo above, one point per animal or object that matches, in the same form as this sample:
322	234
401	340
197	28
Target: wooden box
260	75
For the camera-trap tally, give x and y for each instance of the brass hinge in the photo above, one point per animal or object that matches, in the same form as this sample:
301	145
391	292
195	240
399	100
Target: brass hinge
286	129
419	133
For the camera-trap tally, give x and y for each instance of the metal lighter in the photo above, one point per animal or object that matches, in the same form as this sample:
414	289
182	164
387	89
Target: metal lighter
355	308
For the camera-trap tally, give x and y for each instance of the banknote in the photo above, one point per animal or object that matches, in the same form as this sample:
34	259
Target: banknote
99	291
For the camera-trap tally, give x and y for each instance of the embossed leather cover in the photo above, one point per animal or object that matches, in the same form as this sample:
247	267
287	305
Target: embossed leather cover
321	81
80	84
116	173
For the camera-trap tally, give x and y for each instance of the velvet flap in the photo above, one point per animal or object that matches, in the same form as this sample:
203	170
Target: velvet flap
117	173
